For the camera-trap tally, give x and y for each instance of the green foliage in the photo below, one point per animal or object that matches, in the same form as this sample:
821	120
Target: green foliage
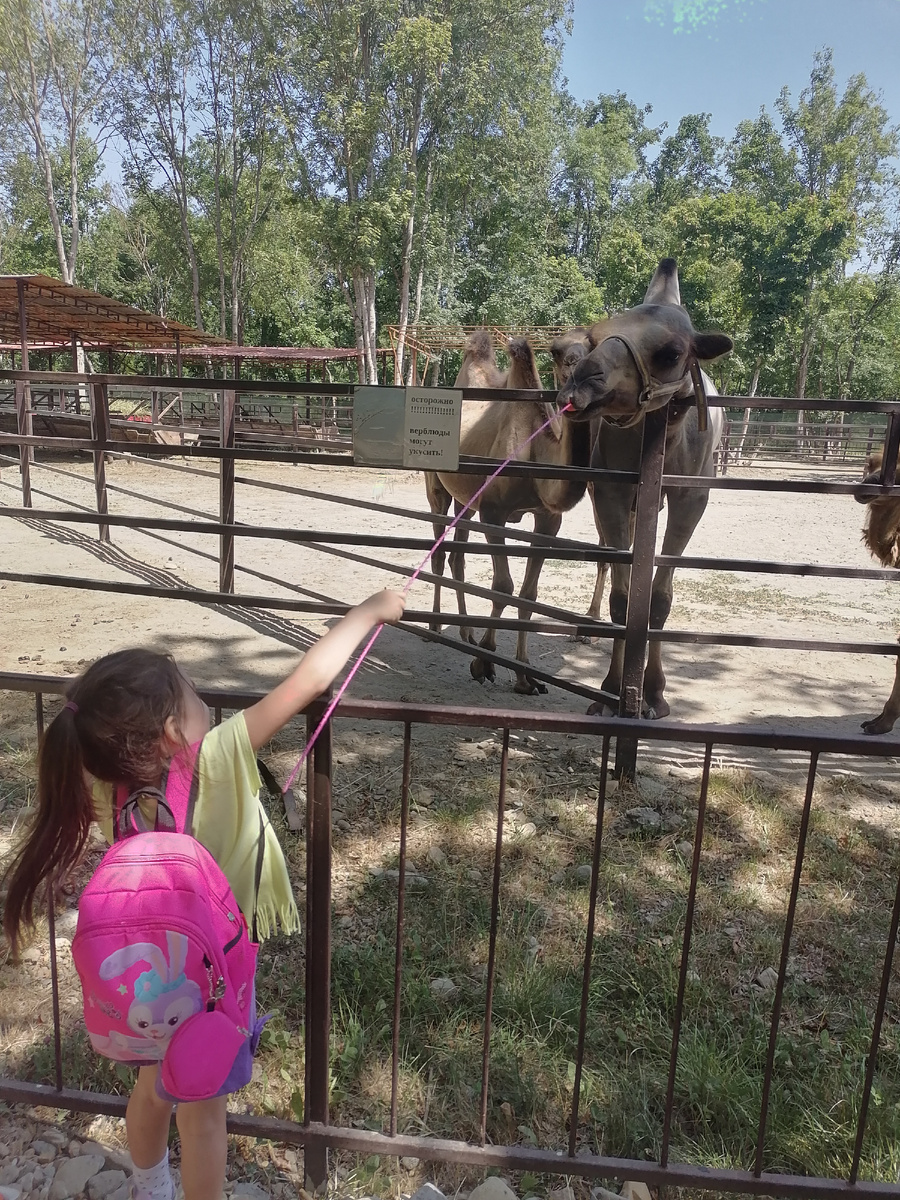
305	173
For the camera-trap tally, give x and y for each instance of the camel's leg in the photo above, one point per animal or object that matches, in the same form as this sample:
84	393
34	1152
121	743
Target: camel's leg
439	503
547	523
458	571
891	711
686	507
618	528
596	603
502	582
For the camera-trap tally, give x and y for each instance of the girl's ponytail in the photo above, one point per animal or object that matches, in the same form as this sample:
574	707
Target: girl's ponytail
60	827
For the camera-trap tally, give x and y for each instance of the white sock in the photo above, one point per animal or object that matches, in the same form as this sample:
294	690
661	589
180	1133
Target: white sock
153	1183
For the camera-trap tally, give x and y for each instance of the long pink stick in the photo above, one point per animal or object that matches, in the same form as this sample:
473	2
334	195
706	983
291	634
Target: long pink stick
371	642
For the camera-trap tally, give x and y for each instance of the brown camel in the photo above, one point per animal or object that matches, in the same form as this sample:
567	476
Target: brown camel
881	534
641	360
493	429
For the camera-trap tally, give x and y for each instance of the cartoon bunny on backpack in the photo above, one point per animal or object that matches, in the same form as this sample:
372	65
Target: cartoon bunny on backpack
164	997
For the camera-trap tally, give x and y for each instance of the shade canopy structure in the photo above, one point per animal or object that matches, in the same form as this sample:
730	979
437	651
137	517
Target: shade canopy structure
45	313
434	339
275	354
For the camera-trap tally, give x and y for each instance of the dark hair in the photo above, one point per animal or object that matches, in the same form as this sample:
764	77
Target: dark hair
111	727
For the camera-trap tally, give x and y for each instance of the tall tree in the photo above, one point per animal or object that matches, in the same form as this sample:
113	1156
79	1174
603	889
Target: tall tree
840	149
55	63
394	103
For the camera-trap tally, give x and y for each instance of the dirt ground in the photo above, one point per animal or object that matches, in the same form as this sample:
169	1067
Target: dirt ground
57	630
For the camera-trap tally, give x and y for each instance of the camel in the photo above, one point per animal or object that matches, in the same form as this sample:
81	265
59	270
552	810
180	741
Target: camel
881	534
493	429
641	360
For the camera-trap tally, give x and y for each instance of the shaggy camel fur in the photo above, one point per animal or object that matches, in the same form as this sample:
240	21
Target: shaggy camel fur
881	534
493	429
641	360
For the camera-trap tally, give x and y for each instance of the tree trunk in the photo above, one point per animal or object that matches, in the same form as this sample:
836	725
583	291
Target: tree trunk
803	363
745	424
365	320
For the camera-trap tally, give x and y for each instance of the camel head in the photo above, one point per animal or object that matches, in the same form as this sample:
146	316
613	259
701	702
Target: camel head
872	474
567	350
881	532
642	358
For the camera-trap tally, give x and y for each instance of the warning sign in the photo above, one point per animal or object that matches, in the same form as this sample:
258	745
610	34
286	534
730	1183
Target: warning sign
431	436
410	427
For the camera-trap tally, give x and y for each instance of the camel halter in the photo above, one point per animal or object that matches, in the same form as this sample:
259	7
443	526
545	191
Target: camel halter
652	389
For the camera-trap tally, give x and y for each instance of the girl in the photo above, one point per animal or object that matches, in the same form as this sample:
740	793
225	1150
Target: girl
123	720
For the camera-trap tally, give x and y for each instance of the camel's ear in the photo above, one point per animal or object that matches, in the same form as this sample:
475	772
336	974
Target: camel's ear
595	333
664	287
712	345
552	414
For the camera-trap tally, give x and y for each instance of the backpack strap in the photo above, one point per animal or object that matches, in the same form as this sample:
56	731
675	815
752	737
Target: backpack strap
182	783
257	875
175	800
129	819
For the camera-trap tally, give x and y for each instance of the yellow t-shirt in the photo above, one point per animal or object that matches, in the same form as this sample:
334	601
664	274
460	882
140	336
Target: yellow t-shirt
226	821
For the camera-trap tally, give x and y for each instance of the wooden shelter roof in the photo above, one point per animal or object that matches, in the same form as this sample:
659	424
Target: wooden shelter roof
272	354
55	312
433	339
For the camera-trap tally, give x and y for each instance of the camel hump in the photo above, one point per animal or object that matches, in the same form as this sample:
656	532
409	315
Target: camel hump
664	287
520	349
480	346
523	372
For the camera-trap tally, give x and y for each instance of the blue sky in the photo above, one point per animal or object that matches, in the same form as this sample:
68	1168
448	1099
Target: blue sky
727	57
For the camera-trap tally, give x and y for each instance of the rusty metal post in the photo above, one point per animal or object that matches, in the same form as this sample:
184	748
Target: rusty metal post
637	621
226	493
891	449
318	955
100	434
23	403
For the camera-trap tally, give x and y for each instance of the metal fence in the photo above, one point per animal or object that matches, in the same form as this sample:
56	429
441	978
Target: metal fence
761	441
316	1134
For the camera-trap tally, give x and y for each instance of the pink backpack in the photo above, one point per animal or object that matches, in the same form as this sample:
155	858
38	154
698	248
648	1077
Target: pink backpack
165	958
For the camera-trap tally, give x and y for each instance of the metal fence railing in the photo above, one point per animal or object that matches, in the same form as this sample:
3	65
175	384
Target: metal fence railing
316	1133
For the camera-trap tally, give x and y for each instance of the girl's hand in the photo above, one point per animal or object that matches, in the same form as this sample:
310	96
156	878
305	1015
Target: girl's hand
320	665
385	607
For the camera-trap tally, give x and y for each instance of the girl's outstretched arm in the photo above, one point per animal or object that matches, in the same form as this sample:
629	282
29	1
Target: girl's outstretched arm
320	665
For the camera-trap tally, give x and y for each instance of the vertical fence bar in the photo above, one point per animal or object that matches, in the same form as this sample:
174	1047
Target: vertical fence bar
637	621
39	714
101	437
876	1036
23	402
492	951
685	955
25	426
226	493
398	949
891	448
782	967
318	956
589	947
54	982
